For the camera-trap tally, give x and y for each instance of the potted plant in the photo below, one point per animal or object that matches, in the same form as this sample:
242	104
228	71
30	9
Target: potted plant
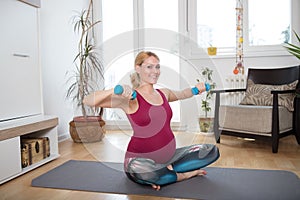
211	50
88	72
206	122
294	49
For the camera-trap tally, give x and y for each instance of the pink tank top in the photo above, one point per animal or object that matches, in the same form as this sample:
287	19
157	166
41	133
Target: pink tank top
152	135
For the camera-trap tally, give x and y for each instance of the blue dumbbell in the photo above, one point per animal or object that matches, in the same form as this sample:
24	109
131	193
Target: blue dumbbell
119	90
207	86
195	90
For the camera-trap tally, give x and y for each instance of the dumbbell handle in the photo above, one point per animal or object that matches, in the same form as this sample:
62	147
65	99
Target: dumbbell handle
119	90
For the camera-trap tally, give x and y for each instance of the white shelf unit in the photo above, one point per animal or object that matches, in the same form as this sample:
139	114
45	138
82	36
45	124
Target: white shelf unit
11	133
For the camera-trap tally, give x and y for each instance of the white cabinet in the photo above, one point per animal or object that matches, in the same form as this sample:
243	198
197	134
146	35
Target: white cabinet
20	80
10	158
11	133
20	86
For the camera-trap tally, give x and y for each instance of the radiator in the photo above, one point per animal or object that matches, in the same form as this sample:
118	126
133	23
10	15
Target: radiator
234	82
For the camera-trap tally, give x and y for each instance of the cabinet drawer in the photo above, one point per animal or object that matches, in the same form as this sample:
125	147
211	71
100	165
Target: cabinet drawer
10	157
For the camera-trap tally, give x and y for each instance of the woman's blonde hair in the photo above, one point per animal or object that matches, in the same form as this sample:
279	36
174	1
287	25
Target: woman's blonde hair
139	59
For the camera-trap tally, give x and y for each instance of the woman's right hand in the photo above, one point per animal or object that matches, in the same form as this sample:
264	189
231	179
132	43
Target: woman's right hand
125	90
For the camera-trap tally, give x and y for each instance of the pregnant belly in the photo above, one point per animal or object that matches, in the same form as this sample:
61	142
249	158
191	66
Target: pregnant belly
146	150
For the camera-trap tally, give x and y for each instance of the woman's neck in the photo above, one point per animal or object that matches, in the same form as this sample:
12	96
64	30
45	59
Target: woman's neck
146	88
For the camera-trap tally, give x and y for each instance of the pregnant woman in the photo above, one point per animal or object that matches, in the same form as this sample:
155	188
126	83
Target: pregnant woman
152	157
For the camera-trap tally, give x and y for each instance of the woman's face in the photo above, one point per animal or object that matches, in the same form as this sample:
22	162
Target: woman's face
149	70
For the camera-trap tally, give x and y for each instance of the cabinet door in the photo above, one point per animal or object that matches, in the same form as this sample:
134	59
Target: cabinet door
10	156
20	83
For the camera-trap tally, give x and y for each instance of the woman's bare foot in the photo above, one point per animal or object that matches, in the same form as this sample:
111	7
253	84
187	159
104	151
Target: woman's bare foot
156	187
183	176
188	175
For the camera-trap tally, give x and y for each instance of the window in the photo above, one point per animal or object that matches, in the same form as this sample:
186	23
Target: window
122	21
266	24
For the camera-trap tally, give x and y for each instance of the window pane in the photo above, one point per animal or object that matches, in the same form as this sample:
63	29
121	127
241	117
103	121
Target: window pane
117	21
216	20
118	72
160	14
269	22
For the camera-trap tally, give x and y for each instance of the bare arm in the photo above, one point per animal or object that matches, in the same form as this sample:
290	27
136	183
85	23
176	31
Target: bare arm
101	98
183	94
107	99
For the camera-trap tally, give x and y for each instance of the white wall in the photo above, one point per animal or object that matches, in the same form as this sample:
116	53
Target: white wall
58	47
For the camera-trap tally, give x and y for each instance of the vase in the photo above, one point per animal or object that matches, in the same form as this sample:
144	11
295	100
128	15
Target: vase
212	51
206	124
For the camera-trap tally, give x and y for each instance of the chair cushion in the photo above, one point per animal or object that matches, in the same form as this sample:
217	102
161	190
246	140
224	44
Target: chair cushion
253	119
260	94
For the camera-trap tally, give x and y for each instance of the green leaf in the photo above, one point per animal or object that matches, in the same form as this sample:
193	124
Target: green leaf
292	48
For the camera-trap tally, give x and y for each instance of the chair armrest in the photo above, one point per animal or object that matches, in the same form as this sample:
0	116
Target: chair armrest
217	132
282	91
229	90
275	112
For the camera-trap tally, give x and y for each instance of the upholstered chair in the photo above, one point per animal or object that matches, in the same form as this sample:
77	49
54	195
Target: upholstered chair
269	109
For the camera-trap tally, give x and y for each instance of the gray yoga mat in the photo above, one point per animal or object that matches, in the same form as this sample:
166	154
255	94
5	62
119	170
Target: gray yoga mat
219	183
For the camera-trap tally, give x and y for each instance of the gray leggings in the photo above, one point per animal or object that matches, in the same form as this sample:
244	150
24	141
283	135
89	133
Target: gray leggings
185	159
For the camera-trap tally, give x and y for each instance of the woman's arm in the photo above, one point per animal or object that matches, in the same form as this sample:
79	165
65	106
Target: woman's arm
101	98
183	94
107	98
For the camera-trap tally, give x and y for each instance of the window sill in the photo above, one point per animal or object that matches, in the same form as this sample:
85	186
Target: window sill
247	54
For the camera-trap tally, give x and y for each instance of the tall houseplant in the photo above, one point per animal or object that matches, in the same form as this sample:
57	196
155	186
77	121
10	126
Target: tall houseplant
206	122
292	48
88	73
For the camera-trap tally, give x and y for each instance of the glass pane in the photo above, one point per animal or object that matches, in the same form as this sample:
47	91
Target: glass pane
116	19
163	15
118	72
269	22
216	20
117	23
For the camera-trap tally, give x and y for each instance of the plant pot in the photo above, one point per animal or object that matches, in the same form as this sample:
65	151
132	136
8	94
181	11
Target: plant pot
206	124
87	129
212	51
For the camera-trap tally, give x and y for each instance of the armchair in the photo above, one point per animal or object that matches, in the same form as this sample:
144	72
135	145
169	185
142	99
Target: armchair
265	115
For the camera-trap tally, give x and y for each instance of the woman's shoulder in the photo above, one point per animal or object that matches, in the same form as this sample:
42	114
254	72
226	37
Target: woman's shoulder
165	92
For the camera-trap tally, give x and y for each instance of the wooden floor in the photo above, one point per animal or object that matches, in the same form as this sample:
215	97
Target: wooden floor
234	152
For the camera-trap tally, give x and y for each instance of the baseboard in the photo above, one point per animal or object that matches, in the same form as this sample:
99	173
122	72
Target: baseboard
63	137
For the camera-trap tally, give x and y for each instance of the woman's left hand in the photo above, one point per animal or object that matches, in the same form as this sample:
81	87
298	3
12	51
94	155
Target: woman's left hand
201	87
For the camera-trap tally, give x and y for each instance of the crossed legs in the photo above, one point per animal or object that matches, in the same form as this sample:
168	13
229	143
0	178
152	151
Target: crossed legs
187	165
